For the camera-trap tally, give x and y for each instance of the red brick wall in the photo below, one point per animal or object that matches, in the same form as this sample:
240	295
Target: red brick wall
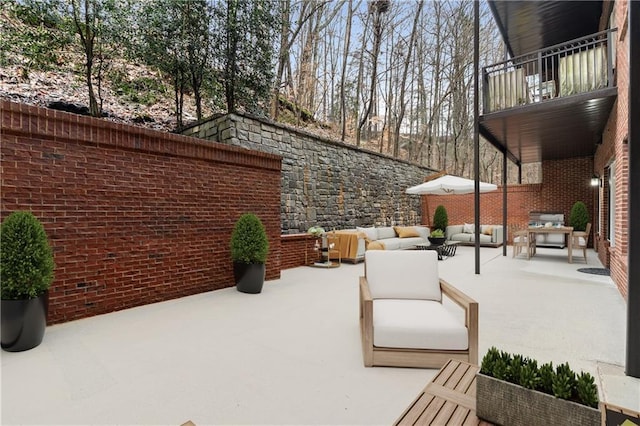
614	149
293	248
134	216
563	183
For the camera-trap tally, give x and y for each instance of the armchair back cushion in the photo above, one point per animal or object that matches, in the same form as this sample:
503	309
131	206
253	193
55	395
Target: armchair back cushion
404	274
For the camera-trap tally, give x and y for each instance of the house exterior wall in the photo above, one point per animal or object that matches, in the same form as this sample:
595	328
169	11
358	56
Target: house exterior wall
563	183
134	216
614	148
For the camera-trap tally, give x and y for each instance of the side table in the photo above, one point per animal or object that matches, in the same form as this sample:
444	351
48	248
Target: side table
328	254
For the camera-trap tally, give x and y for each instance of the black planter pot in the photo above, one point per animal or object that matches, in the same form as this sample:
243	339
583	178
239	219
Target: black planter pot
249	277
23	322
437	241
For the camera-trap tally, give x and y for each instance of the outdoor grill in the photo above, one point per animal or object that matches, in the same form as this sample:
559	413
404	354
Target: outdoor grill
542	219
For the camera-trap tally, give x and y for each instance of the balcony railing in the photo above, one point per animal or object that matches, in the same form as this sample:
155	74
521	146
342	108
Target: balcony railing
578	66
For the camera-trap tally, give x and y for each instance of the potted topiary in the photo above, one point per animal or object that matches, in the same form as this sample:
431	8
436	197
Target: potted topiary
440	222
249	248
26	272
513	390
440	218
437	237
579	216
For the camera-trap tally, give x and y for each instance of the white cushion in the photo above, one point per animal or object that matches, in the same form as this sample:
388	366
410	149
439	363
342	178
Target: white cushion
483	238
519	239
406	243
371	233
461	237
469	228
581	241
423	231
420	324
392	243
403	274
386	232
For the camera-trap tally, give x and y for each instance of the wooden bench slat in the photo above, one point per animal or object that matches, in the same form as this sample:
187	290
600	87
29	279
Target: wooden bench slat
445	414
413	412
451	395
450	398
428	415
445	372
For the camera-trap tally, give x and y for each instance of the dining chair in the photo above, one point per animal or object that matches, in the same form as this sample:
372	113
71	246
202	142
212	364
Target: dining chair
581	239
524	239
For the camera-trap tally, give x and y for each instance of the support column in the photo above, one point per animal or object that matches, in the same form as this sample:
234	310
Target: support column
476	127
504	204
633	277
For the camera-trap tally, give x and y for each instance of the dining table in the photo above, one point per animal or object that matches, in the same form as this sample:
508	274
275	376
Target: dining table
568	230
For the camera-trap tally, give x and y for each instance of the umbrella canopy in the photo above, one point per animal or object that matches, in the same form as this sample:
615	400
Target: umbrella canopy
448	184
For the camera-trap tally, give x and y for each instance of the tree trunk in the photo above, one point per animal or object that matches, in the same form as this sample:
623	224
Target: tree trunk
403	81
345	56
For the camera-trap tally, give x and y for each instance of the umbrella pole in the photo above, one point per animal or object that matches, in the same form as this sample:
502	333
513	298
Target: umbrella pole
426	203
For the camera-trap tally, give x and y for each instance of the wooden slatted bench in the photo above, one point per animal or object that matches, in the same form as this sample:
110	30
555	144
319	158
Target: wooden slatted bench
449	399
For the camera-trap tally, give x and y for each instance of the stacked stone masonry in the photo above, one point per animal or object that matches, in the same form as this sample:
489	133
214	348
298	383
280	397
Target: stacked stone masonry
325	182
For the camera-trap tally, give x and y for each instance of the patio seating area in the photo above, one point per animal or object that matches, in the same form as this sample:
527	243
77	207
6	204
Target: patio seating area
293	355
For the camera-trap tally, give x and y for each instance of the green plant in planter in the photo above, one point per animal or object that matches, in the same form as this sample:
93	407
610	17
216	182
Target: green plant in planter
579	216
249	242
440	218
546	378
26	272
26	259
561	382
587	390
564	382
437	233
249	248
316	231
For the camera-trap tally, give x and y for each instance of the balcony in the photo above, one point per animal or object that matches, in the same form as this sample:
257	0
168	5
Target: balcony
552	103
579	66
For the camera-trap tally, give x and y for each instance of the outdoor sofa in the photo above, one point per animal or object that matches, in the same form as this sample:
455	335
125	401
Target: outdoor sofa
354	242
490	235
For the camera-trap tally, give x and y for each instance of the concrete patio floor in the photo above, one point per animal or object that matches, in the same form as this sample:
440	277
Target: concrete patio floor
292	355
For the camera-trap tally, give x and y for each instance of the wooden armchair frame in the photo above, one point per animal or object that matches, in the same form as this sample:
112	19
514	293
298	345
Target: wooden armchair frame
420	358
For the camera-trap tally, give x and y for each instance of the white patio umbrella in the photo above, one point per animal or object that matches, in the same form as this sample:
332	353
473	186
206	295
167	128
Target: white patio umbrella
448	185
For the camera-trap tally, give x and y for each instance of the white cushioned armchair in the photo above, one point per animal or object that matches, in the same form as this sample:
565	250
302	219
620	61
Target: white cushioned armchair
402	319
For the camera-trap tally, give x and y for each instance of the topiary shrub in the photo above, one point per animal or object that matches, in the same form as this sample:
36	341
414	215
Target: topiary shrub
440	218
249	242
579	216
26	259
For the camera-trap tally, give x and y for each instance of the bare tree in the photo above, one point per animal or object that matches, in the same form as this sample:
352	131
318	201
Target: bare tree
403	81
376	8
345	56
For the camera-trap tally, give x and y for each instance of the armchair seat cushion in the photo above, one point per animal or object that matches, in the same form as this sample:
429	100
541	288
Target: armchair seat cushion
417	324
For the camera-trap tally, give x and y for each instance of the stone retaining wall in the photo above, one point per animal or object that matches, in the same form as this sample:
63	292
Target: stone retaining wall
325	182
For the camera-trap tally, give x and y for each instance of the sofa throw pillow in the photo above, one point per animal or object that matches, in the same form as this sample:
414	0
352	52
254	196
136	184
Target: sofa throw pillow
469	228
406	231
371	233
376	245
488	230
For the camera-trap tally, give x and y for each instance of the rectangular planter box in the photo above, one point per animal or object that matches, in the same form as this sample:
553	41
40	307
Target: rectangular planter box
504	403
